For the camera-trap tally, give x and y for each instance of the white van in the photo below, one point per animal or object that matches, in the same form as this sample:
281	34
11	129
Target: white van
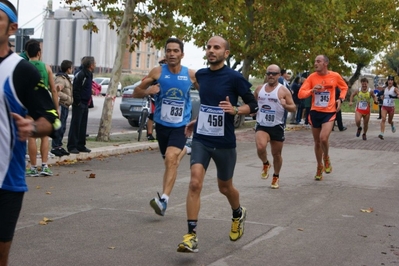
104	82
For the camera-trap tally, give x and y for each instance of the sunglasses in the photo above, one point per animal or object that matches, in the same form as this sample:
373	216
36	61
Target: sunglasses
272	73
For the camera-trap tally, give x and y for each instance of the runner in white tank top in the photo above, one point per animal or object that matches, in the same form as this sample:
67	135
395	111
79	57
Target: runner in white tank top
388	106
273	99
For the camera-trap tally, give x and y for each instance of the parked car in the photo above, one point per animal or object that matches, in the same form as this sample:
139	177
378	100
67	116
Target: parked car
131	107
104	82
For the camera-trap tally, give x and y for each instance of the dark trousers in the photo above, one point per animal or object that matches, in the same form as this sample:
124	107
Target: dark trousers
299	110
339	120
78	127
59	135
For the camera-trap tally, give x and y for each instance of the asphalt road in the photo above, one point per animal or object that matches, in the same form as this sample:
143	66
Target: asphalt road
107	220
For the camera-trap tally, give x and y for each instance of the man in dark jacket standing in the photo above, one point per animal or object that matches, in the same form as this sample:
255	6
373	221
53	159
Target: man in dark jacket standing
80	111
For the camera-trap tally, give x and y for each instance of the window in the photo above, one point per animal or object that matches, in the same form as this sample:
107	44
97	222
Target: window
148	60
138	60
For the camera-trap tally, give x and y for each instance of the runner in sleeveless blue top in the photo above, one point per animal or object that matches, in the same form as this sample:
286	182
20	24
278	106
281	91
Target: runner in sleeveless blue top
18	96
172	113
214	137
273	100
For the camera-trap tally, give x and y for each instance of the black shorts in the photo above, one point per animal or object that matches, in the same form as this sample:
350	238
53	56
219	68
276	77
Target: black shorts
319	118
170	136
225	159
10	207
276	133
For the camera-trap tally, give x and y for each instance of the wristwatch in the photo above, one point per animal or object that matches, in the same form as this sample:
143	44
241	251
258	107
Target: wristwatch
34	130
236	110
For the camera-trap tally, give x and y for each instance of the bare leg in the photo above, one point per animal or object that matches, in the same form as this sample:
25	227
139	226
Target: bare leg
366	120
32	151
193	200
4	252
276	149
261	140
44	148
227	189
171	164
383	119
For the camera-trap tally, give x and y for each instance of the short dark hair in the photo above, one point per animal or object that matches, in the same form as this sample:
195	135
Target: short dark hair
175	40
87	61
283	71
65	65
33	48
364	80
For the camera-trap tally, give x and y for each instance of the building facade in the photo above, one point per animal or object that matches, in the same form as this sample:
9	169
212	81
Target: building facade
65	39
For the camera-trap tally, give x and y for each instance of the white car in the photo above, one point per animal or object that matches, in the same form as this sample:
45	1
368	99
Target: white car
104	82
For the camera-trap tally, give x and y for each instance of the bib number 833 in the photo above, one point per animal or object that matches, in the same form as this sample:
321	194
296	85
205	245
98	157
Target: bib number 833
176	111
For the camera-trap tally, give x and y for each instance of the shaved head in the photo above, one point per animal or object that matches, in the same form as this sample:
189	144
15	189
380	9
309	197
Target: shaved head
222	41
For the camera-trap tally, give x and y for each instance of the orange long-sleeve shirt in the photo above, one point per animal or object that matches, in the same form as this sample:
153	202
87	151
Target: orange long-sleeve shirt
323	100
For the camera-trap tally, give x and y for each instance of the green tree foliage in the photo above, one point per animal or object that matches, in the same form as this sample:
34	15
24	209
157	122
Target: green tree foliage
289	33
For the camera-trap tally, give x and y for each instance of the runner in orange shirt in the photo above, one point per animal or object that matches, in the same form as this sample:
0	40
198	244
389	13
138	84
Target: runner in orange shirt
321	86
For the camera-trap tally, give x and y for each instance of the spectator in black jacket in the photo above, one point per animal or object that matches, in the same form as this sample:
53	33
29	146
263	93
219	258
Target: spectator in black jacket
81	98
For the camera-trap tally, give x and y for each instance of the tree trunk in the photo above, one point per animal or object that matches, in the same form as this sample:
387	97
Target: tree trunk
353	79
247	66
108	107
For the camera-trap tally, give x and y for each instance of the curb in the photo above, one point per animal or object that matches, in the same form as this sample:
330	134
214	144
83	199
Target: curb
101	152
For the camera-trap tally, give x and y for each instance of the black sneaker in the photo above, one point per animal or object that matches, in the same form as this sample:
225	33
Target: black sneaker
57	152
64	151
150	137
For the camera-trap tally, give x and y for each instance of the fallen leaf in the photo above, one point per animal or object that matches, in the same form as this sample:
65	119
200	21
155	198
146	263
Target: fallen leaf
92	175
47	220
48	193
42	223
38	187
300	229
369	210
111	247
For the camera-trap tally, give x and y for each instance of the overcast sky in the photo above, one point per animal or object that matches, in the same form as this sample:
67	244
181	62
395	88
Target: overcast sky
31	14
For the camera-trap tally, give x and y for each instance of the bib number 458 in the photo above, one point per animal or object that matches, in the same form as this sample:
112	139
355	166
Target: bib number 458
215	120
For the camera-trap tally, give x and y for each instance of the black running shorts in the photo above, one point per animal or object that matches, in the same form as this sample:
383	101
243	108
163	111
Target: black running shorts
225	159
10	207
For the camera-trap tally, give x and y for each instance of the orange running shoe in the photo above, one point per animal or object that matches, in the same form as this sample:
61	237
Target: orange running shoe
327	165
265	171
319	173
275	182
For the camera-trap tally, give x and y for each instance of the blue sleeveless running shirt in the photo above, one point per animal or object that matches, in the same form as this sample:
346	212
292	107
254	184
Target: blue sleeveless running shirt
12	162
173	102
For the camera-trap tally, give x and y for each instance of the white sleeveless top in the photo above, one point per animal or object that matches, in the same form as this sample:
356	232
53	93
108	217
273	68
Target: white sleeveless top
271	112
388	101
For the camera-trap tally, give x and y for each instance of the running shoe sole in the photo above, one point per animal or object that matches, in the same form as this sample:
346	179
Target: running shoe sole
154	205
